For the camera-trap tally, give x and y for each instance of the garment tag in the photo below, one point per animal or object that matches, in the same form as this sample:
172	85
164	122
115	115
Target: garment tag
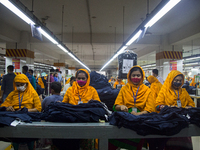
134	109
15	123
178	103
80	102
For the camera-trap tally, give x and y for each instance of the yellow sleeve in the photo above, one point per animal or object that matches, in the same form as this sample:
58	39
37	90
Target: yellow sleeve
67	95
123	83
8	100
160	100
114	86
150	104
95	95
37	102
189	100
120	99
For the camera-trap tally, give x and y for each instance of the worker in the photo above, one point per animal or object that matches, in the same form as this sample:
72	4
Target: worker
118	84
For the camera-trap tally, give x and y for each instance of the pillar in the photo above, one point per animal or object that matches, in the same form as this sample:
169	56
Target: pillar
168	57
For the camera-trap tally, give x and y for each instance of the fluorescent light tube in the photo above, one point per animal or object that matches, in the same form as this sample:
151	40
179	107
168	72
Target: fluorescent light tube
61	47
192	58
47	36
191	64
121	50
162	12
15	10
134	38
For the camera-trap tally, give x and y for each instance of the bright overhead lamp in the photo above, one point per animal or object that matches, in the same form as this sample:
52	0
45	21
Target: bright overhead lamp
47	36
134	38
64	49
191	64
15	10
70	54
162	12
119	52
192	58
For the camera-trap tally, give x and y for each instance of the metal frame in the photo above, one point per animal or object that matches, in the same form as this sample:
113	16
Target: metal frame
101	131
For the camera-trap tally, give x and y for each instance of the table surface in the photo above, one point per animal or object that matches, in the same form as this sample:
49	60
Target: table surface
81	131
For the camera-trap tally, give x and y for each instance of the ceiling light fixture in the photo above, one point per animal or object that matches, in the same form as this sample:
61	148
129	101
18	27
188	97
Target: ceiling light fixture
162	12
191	64
16	11
148	22
47	36
192	58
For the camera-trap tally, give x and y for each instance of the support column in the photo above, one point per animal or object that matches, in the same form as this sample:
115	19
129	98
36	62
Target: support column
168	57
19	53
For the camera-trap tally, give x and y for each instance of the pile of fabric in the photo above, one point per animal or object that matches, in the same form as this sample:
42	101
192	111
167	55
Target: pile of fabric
104	89
169	121
85	112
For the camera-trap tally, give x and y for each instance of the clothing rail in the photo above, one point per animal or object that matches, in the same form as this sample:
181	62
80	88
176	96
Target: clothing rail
101	131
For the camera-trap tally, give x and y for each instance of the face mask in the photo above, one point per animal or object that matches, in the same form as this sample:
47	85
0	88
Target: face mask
81	83
22	88
177	84
135	80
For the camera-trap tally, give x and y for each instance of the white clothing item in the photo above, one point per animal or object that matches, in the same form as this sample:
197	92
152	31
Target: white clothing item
160	79
65	89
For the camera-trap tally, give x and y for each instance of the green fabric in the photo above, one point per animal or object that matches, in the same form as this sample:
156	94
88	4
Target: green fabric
129	110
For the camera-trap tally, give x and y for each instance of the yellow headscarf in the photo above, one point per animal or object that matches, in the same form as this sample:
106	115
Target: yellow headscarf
193	80
68	81
78	90
167	94
22	78
155	86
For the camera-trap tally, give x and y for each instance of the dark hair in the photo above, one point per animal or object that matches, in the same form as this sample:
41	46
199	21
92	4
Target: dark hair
25	68
178	76
135	69
31	71
155	71
57	70
81	71
10	68
54	74
56	86
72	78
52	70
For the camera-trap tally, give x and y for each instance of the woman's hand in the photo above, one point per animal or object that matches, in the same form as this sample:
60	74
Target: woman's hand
10	108
32	110
124	108
139	113
187	107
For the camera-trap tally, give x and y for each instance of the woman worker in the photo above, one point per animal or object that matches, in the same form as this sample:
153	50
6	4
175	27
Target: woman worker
80	92
24	95
135	98
171	94
118	84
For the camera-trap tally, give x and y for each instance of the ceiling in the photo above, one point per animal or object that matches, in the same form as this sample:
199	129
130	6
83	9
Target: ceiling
95	44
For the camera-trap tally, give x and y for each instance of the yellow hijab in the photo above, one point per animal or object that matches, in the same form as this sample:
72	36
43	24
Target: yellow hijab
155	86
78	90
193	80
167	94
22	78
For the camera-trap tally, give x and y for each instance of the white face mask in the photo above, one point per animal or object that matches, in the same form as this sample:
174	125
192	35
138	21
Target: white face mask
22	88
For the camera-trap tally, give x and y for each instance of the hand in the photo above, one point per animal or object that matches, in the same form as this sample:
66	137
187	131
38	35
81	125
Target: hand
123	108
10	108
134	113
187	107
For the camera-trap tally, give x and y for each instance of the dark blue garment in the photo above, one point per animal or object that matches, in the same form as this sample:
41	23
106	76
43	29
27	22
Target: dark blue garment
85	112
29	77
7	84
152	123
98	81
104	89
55	79
49	99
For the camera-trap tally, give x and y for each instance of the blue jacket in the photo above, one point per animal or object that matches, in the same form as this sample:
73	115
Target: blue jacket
29	77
